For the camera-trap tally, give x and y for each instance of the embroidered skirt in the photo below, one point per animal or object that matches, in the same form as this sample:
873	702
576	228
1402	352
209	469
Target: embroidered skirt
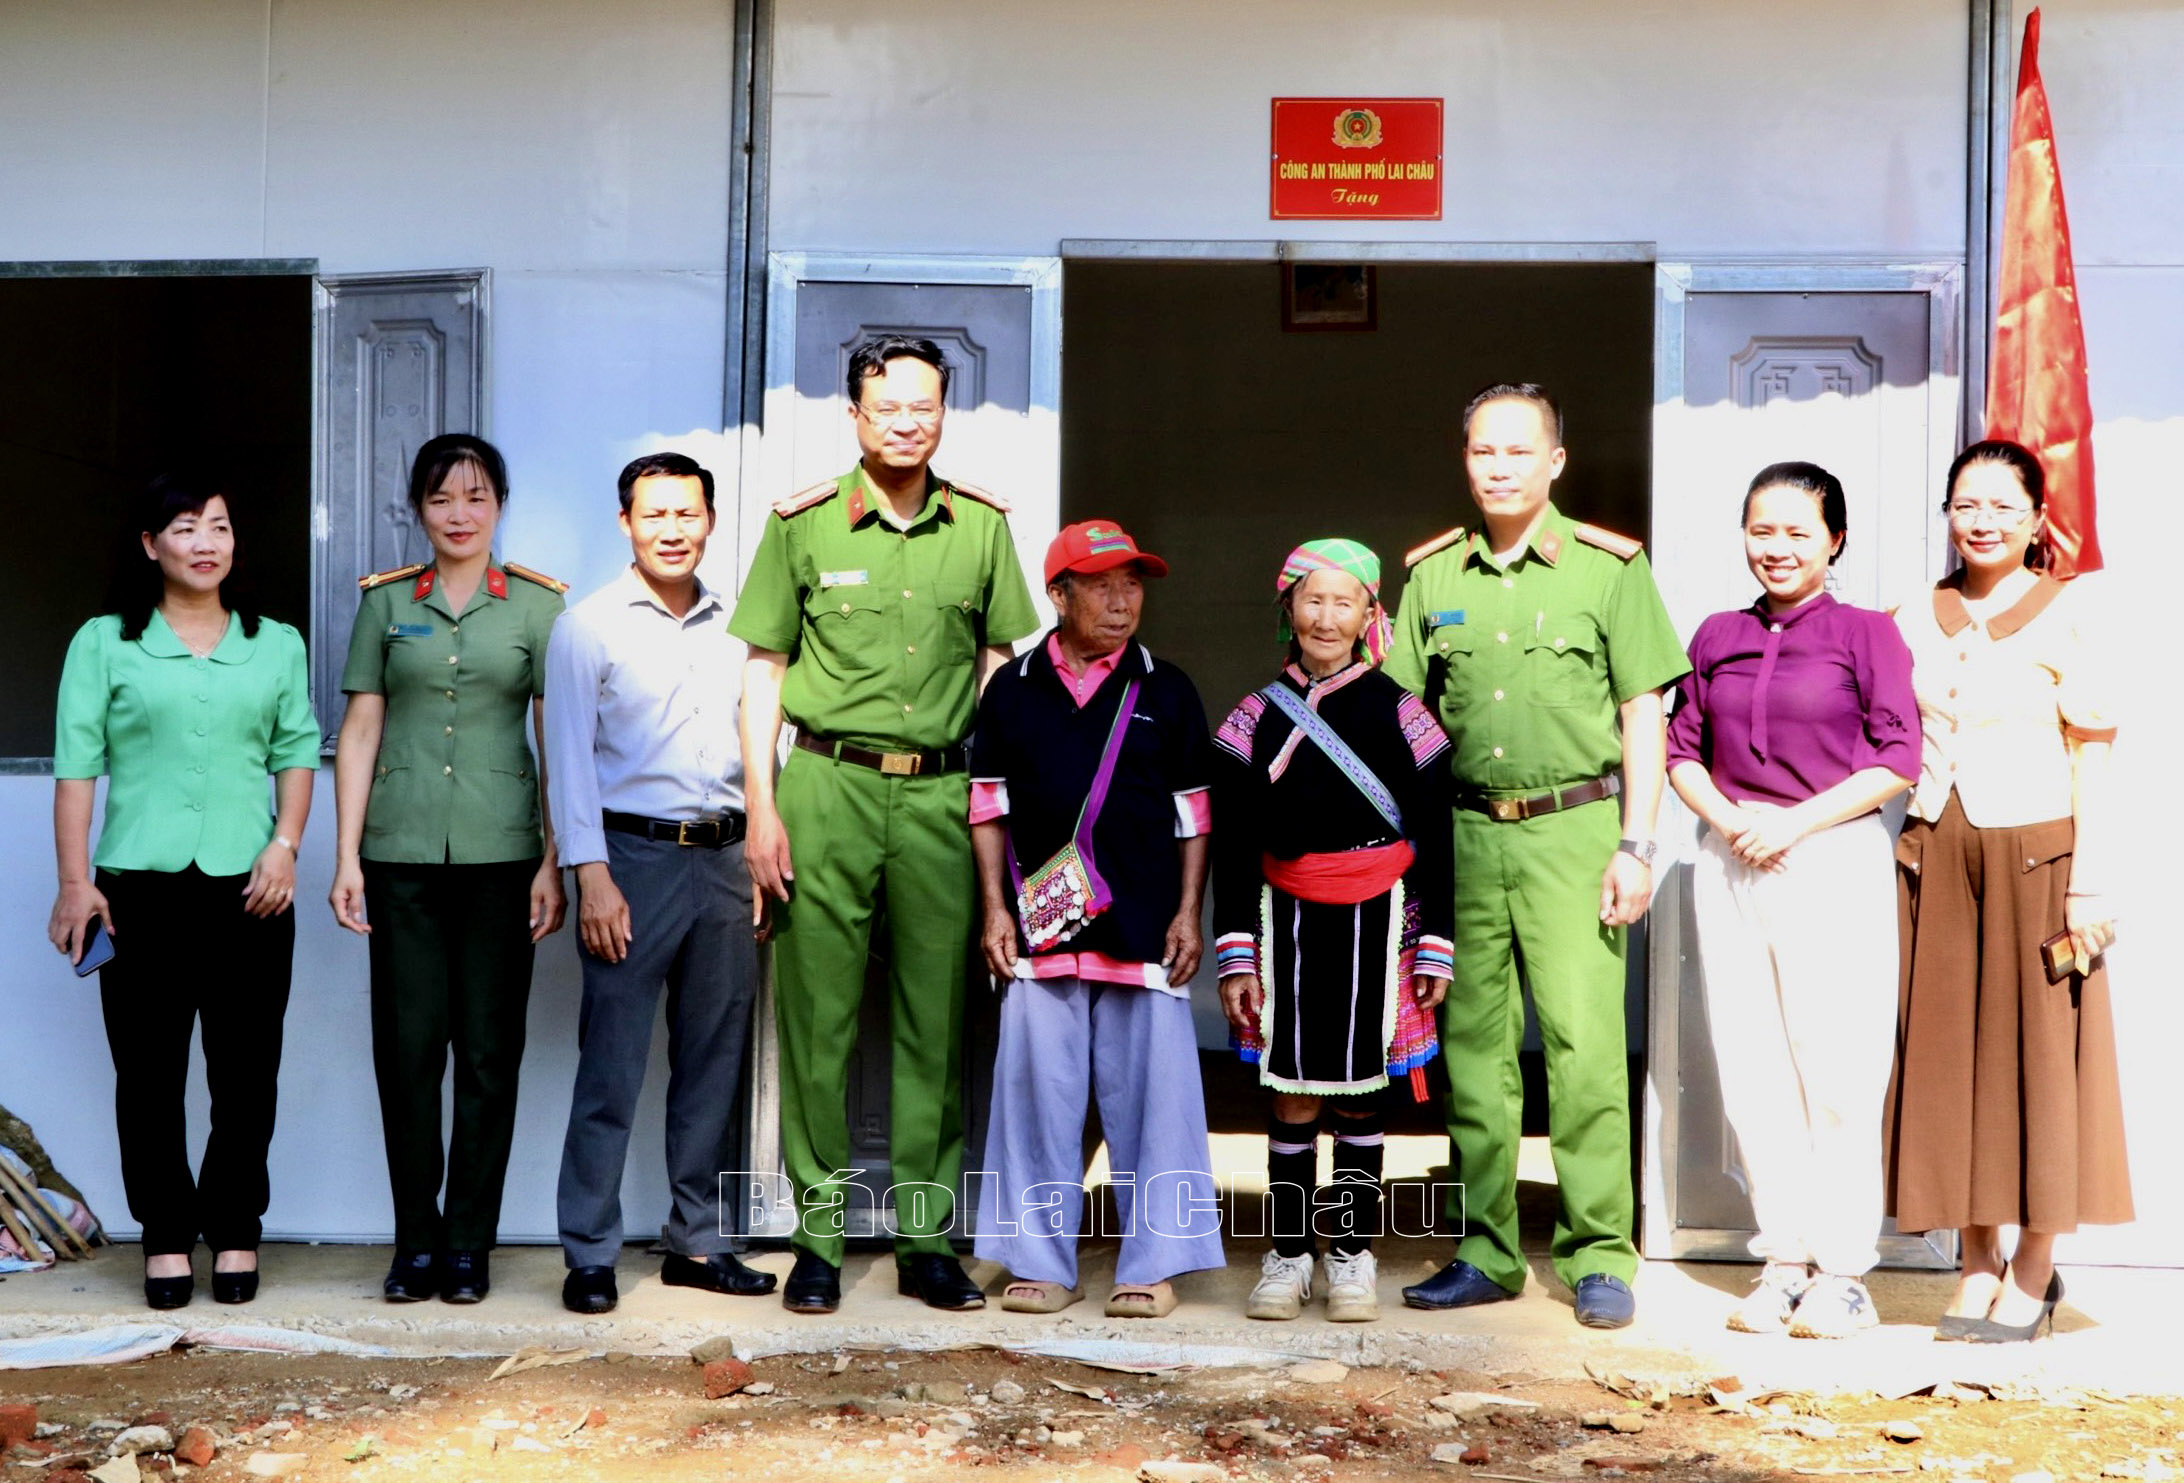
1338	1016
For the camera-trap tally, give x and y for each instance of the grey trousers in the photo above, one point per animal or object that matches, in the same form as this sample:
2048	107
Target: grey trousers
690	916
1136	1049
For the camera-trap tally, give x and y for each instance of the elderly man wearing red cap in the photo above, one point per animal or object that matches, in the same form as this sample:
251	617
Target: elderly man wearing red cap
1088	812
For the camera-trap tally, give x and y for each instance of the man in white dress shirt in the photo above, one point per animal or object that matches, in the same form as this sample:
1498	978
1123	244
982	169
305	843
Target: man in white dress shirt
646	777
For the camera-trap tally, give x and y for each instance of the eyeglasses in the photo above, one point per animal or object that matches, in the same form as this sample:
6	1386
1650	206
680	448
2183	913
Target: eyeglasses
2006	517
887	414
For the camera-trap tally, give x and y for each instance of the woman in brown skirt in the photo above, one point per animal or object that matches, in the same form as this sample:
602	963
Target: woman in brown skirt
2005	1109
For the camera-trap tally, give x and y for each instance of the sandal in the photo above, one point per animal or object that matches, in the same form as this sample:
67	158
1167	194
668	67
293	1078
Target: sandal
1027	1296
1131	1300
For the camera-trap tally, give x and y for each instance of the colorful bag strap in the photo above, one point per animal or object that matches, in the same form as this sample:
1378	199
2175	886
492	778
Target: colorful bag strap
1315	728
1089	814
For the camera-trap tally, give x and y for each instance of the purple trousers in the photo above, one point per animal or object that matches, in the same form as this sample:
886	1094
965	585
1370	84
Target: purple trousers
1134	1048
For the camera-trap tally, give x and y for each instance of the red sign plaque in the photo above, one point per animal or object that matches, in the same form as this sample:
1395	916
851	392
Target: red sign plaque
1347	158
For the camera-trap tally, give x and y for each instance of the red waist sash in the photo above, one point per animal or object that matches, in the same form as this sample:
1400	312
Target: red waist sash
1343	878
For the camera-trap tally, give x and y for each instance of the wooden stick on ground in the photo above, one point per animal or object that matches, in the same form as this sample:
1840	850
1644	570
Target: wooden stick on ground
17	1197
63	1238
14	1223
17	1134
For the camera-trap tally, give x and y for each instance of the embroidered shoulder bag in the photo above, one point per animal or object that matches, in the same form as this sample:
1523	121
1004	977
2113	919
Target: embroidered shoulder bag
1059	899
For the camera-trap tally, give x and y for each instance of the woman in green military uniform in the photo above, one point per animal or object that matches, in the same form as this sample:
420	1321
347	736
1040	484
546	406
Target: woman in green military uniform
446	855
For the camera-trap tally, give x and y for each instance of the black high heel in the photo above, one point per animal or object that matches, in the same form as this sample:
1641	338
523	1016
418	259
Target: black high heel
1987	1331
169	1292
234	1287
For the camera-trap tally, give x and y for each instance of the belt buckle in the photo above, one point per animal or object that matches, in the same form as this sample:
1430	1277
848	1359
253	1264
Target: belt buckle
682	831
901	764
1506	810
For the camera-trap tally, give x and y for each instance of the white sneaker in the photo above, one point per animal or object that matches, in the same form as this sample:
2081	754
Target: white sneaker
1285	1286
1767	1307
1353	1288
1833	1308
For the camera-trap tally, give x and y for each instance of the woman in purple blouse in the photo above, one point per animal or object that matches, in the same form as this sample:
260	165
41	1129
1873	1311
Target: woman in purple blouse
1797	722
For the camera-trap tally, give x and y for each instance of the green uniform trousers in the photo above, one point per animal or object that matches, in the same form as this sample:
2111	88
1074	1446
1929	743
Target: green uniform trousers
863	843
451	966
1528	900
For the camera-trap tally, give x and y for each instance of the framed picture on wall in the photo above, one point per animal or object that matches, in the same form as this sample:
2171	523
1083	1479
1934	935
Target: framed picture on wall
1329	296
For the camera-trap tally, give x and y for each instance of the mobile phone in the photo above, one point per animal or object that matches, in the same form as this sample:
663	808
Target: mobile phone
2055	953
98	951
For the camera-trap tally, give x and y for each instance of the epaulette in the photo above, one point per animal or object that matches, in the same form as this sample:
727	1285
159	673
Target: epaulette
396	574
551	584
804	499
1441	542
1622	548
983	496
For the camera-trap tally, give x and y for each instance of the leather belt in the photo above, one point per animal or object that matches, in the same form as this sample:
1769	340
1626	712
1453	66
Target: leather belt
697	834
894	764
1512	810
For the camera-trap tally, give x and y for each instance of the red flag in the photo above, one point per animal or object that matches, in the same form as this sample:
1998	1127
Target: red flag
2036	383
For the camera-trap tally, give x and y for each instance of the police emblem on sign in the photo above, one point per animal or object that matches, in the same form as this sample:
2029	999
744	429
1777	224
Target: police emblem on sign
1357	128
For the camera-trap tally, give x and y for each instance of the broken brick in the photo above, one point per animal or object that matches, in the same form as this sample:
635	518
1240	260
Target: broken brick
196	1448
726	1377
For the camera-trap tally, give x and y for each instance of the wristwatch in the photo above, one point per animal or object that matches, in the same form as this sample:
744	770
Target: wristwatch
1641	850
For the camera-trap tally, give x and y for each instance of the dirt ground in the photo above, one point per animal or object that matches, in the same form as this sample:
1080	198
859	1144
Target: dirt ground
1000	1416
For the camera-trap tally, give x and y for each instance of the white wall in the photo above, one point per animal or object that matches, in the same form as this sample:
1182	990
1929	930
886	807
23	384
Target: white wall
1707	127
2111	69
578	151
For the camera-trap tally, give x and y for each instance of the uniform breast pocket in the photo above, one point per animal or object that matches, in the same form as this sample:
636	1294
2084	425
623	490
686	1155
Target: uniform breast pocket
850	629
955	621
1449	648
414	661
1562	661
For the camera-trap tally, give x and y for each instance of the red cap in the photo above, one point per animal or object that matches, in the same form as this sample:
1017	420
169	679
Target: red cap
1097	546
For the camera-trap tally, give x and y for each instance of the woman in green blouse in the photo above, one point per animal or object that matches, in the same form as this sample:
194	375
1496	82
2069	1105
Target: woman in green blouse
185	699
445	843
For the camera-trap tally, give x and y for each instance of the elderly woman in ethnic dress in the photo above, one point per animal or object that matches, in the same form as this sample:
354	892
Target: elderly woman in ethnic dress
2006	1109
1333	909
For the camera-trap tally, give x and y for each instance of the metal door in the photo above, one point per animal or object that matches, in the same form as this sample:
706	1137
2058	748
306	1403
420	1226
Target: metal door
401	358
1853	368
998	323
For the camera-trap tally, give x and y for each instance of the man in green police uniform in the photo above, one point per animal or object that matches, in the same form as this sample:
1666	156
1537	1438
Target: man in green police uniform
877	605
1543	647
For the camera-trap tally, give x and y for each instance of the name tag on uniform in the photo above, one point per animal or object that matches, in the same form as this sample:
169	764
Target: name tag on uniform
856	578
409	630
1445	618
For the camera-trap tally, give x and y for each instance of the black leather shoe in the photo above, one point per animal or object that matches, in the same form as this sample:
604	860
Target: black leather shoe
938	1281
465	1277
1604	1302
169	1292
234	1287
721	1272
1457	1285
589	1290
414	1277
814	1286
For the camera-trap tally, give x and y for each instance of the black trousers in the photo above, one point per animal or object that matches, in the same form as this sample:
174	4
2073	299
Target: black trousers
185	951
451	968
